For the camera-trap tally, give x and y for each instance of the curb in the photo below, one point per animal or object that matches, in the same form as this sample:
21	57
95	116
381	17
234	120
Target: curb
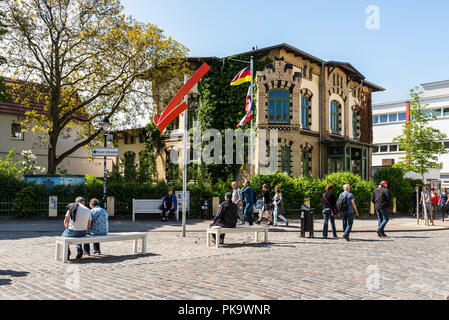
270	230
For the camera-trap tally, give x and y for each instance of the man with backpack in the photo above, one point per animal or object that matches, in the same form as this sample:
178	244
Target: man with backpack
382	203
347	207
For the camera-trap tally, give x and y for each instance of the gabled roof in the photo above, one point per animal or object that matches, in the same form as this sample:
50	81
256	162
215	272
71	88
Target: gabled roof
15	108
287	48
345	66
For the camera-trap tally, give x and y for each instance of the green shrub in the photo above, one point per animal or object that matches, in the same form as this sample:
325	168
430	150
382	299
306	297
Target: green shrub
311	188
29	200
291	194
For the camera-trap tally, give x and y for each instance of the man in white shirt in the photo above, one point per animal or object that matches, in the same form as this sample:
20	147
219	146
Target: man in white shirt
77	222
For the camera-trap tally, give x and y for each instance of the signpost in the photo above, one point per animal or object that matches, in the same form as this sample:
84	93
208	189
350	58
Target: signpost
105	152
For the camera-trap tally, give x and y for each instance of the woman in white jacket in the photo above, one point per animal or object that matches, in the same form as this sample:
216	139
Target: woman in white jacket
279	209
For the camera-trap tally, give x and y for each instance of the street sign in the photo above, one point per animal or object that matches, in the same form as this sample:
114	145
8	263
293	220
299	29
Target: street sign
105	152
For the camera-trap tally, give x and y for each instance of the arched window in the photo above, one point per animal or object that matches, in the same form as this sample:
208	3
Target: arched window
335	117
285	160
279	106
306	112
305	163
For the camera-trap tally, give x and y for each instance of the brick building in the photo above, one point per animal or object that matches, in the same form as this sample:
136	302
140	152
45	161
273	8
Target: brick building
322	111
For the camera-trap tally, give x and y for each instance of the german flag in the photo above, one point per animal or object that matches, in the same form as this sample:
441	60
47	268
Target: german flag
242	77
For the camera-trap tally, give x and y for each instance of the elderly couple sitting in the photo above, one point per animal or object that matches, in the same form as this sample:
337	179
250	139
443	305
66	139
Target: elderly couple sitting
80	221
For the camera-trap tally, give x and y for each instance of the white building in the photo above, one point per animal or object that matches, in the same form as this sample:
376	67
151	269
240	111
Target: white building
389	120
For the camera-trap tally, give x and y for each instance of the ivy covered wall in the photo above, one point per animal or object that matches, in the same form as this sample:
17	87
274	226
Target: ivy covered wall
222	106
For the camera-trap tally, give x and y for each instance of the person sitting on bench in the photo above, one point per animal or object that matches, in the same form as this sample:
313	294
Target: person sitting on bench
227	216
77	221
169	205
100	225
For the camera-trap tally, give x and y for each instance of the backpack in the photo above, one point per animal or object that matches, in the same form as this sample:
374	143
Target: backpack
342	203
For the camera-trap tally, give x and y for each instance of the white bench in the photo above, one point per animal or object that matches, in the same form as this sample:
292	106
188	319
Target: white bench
218	231
62	243
149	206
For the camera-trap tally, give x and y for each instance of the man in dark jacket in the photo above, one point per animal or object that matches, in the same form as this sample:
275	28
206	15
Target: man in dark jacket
226	216
382	203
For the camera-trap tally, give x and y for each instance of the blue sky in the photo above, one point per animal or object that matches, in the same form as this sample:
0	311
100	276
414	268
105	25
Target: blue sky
411	47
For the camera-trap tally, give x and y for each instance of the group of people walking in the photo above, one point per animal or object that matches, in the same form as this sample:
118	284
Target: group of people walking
230	211
245	200
346	207
81	221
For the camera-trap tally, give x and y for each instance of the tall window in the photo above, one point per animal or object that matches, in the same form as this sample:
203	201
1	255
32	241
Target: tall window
355	124
285	160
305	112
279	106
305	163
335	117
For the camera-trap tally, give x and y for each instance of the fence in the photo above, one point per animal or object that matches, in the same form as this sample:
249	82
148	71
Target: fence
7	208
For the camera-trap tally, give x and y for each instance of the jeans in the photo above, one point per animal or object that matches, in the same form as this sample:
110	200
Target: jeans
87	248
326	215
249	214
276	215
75	234
383	216
348	221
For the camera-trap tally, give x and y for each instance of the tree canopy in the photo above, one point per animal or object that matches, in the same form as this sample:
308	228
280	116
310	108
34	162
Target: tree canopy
421	142
83	60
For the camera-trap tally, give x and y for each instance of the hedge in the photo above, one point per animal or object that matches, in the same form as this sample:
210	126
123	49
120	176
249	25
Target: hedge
294	191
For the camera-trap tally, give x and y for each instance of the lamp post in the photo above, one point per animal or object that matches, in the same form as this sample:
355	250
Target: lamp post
106	126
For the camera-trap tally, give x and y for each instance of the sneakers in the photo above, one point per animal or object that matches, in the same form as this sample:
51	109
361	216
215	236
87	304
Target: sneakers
380	233
286	224
346	237
97	253
384	235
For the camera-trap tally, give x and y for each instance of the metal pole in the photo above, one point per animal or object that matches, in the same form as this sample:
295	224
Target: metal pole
417	204
184	171
252	103
104	174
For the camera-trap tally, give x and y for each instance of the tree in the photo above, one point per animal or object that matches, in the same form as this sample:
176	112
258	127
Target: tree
154	145
82	60
420	141
3	95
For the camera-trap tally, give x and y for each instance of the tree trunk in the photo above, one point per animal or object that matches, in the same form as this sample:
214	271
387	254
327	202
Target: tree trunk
52	165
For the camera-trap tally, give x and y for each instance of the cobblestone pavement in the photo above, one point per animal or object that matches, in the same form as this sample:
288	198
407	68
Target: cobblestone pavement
403	266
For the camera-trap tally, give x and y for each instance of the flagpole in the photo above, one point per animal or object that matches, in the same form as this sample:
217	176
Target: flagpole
252	101
184	171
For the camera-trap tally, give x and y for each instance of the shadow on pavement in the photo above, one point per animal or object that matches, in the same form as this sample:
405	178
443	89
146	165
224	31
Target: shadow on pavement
104	259
15	274
11	273
4	282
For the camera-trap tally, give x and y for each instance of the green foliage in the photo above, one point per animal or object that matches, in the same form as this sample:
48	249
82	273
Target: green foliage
222	106
291	194
401	188
27	199
311	188
296	190
9	167
420	141
4	96
154	146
